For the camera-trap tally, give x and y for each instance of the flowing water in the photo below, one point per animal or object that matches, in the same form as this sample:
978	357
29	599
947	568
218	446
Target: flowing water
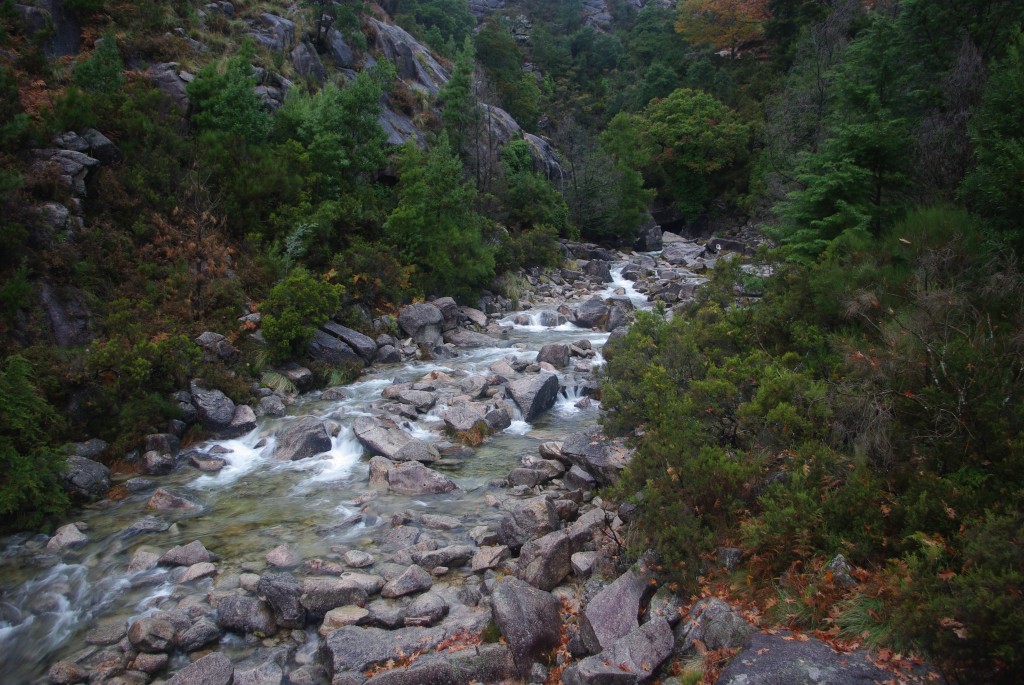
51	601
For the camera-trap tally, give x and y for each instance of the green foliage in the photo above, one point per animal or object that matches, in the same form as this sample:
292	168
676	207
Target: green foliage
461	110
535	246
103	71
435	226
685	145
294	309
225	103
868	404
502	62
529	199
443	24
372	277
995	188
84	7
30	488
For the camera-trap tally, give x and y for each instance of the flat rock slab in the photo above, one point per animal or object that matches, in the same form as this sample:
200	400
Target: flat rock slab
483	664
357	649
212	669
785	659
384	437
602	457
612	613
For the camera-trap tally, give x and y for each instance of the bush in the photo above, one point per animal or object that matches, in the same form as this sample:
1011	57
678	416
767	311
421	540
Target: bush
294	309
528	248
30	488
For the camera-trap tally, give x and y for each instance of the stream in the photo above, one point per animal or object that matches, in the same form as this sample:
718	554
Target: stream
50	602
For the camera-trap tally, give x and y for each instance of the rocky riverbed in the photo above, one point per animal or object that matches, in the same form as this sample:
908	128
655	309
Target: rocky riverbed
388	531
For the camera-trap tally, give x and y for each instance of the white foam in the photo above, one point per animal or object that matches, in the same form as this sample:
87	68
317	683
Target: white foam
519	427
335	464
243	458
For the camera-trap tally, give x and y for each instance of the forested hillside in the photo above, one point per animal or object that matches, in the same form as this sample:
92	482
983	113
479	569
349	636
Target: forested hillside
254	168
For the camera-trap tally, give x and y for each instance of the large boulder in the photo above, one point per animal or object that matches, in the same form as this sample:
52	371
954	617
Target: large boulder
274	32
307	63
167	79
483	664
384	437
303	438
612	613
534	394
529	619
413	478
326	348
355	649
215	409
775	659
414	579
545	562
713	623
414	62
598	455
556	354
628	660
212	669
592	314
244	614
464	417
527	520
339	50
682	252
363	345
86	478
423	323
648	238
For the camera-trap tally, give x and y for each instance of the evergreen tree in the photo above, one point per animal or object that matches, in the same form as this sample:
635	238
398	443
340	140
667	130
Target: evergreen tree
435	226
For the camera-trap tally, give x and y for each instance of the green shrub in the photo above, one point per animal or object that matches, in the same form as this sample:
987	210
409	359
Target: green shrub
103	71
294	309
30	488
528	248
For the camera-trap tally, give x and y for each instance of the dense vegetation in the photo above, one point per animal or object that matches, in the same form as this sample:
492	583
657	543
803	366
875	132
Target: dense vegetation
866	401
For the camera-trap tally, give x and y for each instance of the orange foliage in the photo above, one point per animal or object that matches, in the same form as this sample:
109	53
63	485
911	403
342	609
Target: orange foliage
722	24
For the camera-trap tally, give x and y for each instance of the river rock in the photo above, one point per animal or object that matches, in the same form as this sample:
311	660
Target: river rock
527	520
384	437
451	556
461	337
578	479
243	421
186	555
483	664
363	345
340	617
320	594
488	557
592	314
199	634
267	673
426	610
534	394
440	522
413	579
157	463
422	322
682	252
545	562
413	478
555	354
150	634
164	500
326	348
244	614
357	558
67	673
598	270
212	669
86	478
203	569
612	613
464	417
303	438
142	561
357	649
282	593
769	659
166	443
283	556
715	624
215	409
629	659
475	316
67	536
649	238
529	619
602	457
